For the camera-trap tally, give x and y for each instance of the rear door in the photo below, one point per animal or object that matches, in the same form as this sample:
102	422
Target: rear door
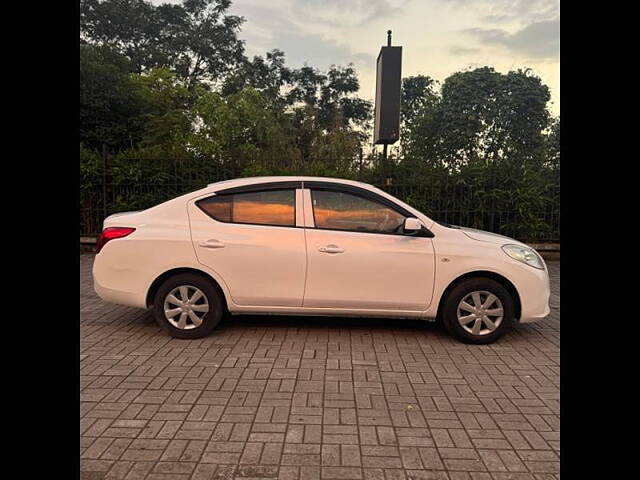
359	257
253	238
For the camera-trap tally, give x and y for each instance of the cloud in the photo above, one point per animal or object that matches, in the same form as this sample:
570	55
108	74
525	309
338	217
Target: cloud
458	50
503	11
536	40
267	28
301	47
343	13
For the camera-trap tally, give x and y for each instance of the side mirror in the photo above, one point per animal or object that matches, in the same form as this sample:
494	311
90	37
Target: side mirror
412	225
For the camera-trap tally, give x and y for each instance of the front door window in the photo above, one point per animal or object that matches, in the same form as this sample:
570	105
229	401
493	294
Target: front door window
334	210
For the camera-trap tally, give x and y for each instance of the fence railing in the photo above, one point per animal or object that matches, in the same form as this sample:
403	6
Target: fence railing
531	214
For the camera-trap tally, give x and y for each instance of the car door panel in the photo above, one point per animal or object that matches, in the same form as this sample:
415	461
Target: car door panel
261	265
374	271
371	271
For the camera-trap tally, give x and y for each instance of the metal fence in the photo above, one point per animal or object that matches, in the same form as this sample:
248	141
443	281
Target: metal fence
490	204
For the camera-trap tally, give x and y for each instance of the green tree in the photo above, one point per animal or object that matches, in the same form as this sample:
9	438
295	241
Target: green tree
488	117
238	131
480	117
306	85
167	117
197	38
110	108
553	145
334	94
327	103
418	127
418	92
267	75
202	39
130	27
338	103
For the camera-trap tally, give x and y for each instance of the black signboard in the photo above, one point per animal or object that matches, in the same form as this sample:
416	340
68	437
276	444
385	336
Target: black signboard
388	85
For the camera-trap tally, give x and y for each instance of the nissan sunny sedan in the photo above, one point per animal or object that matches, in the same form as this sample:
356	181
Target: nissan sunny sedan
314	246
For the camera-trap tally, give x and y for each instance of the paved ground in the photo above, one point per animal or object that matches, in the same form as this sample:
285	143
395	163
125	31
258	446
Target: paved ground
302	398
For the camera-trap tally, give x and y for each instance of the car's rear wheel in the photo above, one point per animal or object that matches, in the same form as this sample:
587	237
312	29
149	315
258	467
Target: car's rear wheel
188	306
478	310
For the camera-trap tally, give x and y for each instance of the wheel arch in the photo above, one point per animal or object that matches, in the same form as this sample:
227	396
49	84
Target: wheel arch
153	288
504	281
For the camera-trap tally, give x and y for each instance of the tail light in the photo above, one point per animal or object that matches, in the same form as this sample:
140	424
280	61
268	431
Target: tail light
111	233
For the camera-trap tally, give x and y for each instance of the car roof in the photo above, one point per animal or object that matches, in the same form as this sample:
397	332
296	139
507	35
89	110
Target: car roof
236	182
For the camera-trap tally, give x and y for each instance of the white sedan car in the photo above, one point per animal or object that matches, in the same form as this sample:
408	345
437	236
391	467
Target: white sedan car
314	246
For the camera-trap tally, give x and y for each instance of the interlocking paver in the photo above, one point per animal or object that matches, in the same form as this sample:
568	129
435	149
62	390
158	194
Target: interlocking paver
314	398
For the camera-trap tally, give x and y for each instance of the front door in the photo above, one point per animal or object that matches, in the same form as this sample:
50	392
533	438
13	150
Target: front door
359	258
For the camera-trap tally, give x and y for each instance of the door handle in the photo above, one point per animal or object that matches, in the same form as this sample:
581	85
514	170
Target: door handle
330	249
212	243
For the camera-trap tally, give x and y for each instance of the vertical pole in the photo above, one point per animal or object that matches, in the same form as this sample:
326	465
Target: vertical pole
386	173
360	165
104	182
385	165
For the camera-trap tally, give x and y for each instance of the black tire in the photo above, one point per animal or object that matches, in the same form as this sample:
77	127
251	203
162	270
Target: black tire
210	319
459	292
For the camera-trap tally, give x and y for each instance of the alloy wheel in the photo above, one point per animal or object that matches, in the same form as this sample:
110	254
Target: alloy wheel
480	312
185	307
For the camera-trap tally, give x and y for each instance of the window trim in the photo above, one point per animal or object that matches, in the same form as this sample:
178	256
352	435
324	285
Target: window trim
261	187
233	191
357	192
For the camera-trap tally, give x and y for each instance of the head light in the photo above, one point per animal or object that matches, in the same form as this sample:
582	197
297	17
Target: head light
525	255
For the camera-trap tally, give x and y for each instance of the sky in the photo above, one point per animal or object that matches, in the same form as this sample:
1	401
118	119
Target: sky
439	37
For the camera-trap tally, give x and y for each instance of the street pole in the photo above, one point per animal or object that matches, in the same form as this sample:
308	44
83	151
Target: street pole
104	181
385	169
385	165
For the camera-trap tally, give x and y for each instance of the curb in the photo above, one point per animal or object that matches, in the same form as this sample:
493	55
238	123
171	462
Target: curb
548	251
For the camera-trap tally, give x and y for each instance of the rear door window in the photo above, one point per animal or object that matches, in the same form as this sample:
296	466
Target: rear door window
271	207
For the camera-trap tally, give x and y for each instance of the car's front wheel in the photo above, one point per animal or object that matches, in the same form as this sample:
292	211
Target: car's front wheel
478	310
188	306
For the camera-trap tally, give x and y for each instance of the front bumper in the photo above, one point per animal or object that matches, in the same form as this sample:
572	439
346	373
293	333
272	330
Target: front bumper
535	291
535	317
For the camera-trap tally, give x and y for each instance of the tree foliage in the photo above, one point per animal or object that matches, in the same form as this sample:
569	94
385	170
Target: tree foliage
486	116
109	105
197	38
167	117
267	75
172	82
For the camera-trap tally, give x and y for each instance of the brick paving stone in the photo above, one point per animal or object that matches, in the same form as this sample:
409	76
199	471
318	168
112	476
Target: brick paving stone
299	398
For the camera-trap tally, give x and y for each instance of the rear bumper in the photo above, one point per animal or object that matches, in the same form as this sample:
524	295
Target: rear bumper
121	297
117	282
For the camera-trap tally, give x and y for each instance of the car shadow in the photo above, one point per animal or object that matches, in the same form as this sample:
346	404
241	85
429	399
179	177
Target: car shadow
320	322
231	324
